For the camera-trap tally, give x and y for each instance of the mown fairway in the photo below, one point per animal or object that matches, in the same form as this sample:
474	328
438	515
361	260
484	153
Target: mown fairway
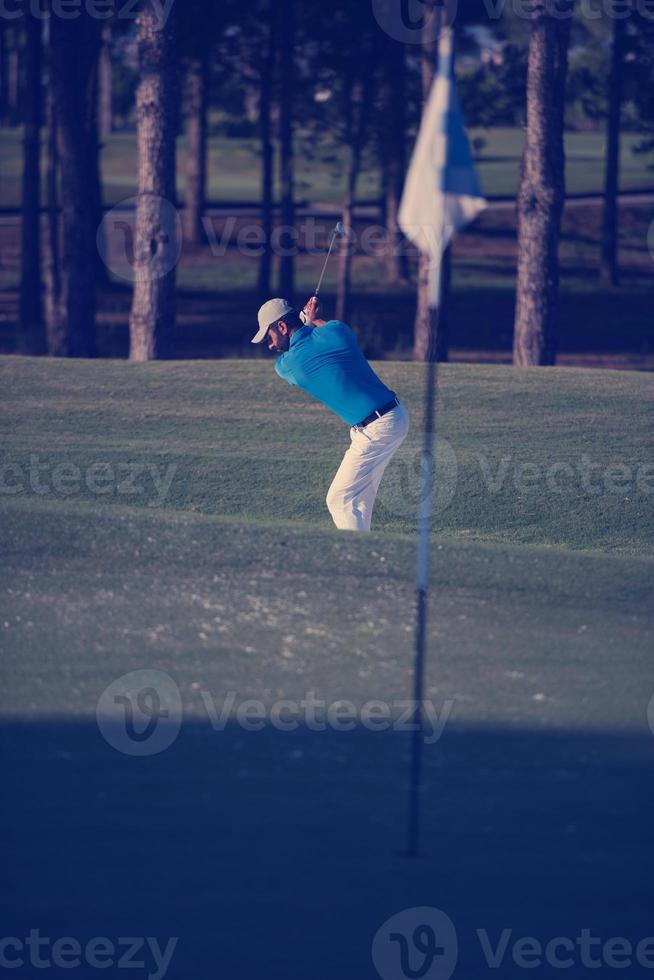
171	517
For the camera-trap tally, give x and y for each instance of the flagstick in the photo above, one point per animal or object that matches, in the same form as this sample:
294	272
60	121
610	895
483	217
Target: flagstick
422	594
422	586
435	205
443	71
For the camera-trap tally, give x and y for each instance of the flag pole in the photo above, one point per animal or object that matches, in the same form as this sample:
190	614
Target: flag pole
422	595
441	195
427	470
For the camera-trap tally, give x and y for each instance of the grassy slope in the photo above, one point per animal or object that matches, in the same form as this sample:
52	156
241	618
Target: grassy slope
536	799
237	435
211	567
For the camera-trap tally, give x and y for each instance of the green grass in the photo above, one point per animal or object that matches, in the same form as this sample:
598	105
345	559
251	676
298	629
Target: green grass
236	556
499	162
235	434
234	167
536	800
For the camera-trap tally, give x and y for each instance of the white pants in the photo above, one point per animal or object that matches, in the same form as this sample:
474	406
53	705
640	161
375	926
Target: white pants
351	497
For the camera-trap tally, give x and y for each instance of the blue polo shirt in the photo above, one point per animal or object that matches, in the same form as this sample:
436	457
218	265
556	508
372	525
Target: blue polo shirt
326	362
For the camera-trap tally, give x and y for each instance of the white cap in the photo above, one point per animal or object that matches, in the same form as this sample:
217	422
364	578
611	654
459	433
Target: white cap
270	312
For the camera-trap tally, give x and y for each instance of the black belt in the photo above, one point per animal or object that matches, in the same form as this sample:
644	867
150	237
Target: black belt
377	414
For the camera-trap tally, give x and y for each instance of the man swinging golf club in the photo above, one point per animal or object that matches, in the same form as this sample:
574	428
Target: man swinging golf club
323	358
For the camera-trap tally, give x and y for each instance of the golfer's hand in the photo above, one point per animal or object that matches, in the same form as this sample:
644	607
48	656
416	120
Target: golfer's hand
312	311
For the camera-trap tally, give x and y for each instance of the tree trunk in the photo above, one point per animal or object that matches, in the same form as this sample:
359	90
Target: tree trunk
361	105
286	240
267	155
541	194
430	332
196	149
152	320
105	86
74	52
394	163
347	247
95	177
609	272
13	75
4	73
53	317
31	331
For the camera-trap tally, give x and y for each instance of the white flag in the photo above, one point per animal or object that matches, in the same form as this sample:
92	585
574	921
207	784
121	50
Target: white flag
441	192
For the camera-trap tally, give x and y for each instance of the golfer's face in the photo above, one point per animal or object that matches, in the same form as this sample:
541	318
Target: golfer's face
277	341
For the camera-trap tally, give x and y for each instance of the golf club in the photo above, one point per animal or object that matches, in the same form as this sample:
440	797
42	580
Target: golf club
338	232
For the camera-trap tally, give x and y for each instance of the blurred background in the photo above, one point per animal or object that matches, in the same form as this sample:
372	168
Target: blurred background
284	118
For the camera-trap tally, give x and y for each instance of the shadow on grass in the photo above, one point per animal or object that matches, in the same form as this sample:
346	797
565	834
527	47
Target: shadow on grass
276	855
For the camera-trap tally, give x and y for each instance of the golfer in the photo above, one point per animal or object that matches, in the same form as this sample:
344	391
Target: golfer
323	358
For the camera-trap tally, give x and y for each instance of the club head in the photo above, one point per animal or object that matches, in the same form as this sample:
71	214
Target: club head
340	229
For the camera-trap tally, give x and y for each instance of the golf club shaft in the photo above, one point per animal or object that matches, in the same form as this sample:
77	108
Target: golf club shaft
329	252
